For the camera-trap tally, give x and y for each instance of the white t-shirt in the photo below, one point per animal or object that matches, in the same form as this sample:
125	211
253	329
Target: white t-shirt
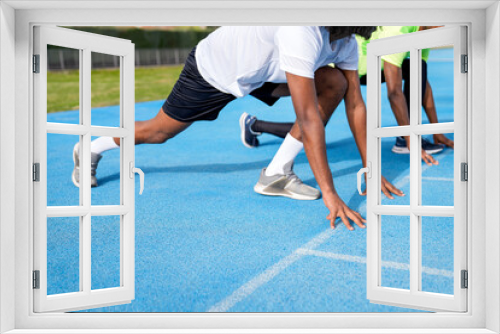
237	60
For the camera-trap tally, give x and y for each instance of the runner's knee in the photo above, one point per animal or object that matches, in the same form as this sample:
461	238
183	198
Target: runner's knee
330	82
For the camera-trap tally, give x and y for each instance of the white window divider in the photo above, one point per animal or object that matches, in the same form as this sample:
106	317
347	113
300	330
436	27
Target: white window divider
414	297
86	297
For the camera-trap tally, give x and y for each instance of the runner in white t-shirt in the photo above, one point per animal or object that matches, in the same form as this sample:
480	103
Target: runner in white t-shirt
265	54
268	63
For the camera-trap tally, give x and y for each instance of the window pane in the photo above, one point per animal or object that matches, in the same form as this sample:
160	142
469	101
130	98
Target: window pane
395	251
105	252
437	180
63	85
438	92
63	255
395	167
105	90
61	175
437	254
395	96
107	173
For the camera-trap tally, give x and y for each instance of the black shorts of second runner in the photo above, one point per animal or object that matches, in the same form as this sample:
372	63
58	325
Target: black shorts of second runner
194	99
405	69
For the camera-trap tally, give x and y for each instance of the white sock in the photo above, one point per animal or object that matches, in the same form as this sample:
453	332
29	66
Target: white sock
102	144
286	153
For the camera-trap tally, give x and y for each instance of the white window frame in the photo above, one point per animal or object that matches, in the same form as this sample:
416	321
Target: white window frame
484	101
415	296
85	297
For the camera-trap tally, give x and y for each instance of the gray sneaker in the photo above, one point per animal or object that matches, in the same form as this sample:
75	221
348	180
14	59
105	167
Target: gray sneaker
287	185
94	160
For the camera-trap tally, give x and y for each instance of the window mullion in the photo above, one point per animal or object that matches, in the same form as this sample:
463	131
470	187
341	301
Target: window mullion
416	297
414	253
74	129
127	255
433	128
392	131
85	228
415	157
80	211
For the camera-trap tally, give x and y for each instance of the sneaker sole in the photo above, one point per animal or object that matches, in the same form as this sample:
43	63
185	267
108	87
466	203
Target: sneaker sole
437	150
74	170
242	130
261	189
398	150
73	178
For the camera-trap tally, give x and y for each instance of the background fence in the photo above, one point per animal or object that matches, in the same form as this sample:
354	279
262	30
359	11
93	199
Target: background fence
68	59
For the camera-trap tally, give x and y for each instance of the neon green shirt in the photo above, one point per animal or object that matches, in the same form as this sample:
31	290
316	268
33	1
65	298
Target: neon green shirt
383	32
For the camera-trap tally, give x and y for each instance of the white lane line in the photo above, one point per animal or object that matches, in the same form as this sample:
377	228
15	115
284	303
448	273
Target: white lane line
440	60
431	178
405	179
385	264
271	272
248	288
426	178
437	272
335	256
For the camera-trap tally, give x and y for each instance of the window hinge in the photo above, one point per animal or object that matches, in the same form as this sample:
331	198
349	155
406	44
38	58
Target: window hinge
36	279
464	171
465	279
36	172
465	64
36	63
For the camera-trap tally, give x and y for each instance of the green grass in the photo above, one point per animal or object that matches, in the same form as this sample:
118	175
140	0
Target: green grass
151	83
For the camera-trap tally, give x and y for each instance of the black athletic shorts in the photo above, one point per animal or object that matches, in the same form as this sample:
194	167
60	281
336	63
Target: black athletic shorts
405	69
194	99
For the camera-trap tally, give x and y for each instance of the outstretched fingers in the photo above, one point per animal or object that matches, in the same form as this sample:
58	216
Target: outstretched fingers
388	189
356	218
442	139
428	159
345	214
332	217
346	222
387	192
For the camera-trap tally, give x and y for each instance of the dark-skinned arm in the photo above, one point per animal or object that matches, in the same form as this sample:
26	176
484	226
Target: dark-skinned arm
394	81
312	130
430	111
356	115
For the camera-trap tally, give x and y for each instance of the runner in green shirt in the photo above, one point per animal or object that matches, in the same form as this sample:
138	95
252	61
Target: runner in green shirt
395	71
396	68
395	59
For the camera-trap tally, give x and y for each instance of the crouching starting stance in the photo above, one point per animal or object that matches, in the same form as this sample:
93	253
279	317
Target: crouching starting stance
268	63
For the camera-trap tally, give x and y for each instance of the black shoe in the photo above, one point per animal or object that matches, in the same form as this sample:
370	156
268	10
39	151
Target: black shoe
400	146
430	148
248	137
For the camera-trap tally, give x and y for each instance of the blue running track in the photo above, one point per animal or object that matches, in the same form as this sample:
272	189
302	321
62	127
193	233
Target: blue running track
206	242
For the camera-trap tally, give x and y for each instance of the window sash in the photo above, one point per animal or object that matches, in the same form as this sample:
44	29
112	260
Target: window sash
86	297
475	15
413	298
